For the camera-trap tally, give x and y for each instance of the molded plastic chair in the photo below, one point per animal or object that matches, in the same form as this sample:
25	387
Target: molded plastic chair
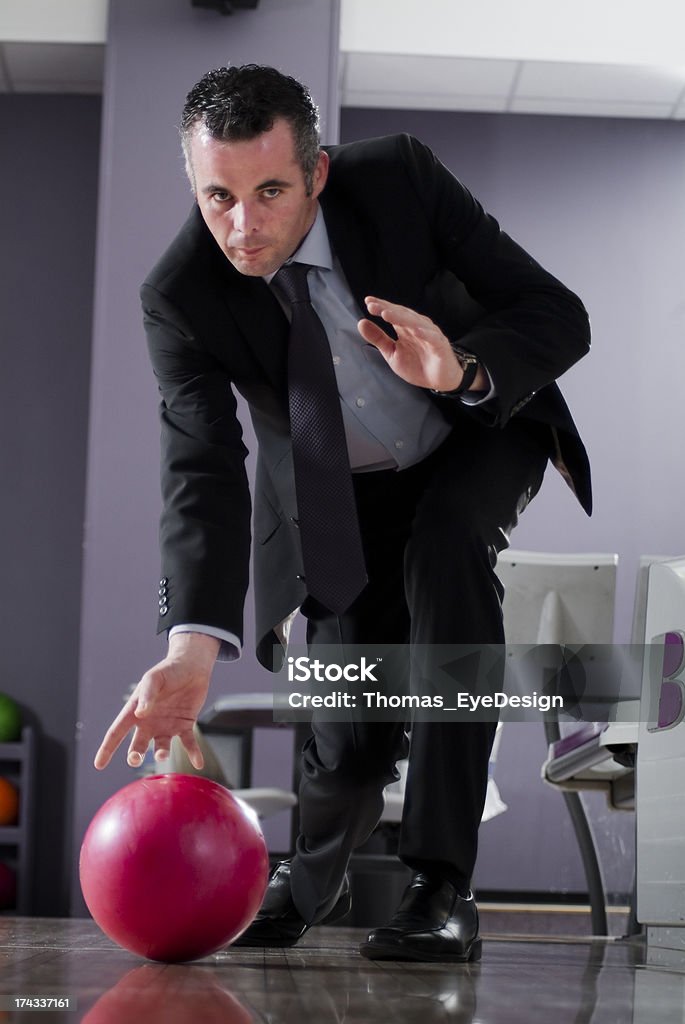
564	599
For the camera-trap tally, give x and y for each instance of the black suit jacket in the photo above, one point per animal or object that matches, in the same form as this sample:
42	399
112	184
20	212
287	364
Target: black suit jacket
403	228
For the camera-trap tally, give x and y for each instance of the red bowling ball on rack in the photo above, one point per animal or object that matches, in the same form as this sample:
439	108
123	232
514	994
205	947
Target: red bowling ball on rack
173	867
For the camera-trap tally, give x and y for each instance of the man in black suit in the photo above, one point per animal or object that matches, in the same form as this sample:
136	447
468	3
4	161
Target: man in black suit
445	339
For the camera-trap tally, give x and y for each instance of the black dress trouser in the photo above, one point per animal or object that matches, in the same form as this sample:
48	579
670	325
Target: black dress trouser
431	536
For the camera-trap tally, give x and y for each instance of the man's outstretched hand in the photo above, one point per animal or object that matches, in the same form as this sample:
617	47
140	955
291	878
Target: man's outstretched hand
422	355
165	703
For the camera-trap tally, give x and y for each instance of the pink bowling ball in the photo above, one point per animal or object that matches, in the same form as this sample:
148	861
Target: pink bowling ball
173	867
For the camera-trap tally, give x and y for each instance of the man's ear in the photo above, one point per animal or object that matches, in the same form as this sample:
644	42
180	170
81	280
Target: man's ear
320	174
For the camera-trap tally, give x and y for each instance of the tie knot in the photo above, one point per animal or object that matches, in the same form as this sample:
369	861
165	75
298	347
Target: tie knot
292	280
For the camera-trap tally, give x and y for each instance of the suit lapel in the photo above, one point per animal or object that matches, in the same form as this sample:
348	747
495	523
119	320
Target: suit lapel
356	249
369	258
348	243
258	316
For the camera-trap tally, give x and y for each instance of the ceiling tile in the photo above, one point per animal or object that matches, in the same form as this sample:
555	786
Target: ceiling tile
47	67
400	100
438	76
600	82
588	107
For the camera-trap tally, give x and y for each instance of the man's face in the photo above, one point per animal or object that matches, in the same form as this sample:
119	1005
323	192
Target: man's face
253	198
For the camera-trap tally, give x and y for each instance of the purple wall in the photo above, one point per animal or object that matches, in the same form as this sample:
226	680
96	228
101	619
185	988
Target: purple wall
48	178
155	52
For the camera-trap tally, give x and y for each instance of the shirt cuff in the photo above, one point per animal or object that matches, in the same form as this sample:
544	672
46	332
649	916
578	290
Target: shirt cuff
231	647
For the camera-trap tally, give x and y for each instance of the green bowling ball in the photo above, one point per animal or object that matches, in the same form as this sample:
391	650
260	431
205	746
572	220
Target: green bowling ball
10	720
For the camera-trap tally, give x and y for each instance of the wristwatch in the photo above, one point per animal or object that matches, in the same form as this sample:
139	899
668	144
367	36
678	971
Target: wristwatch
469	364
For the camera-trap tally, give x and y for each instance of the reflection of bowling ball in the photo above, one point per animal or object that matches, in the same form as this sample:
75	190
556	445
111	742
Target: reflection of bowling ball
168	995
10	720
9	802
8	887
173	867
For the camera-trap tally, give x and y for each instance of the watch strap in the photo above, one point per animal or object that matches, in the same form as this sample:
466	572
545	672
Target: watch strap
469	364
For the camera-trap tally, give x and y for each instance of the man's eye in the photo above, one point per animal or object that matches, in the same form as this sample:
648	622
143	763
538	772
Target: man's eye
220	197
271	193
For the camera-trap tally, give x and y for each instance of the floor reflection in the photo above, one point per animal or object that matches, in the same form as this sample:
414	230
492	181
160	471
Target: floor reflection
161	994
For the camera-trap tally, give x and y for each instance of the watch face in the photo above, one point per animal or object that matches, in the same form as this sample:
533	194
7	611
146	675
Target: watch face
466	359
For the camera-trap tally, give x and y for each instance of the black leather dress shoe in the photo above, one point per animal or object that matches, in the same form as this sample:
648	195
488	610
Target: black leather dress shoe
432	923
278	922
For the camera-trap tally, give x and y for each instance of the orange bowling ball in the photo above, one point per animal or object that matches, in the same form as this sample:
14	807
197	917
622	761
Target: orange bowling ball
9	803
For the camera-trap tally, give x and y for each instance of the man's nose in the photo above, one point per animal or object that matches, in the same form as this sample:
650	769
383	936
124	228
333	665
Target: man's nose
244	218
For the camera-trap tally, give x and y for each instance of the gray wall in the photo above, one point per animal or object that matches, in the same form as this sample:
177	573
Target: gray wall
155	52
48	181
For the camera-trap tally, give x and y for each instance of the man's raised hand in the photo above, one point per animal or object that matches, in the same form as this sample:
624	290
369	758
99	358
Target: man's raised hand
422	355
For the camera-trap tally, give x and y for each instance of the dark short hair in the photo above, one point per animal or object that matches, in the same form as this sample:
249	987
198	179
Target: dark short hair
238	103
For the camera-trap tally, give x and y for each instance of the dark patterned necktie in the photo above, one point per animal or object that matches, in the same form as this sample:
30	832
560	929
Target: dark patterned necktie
334	567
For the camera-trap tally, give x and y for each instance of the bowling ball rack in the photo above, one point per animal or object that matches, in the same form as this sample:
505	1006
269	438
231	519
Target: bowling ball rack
18	764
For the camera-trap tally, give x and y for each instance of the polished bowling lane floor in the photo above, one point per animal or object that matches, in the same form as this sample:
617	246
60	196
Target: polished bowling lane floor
522	979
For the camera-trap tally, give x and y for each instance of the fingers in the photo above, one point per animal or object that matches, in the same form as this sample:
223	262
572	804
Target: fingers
414	333
144	706
374	335
187	738
137	749
135	707
103	757
162	748
398	316
193	750
165	703
115	735
141	740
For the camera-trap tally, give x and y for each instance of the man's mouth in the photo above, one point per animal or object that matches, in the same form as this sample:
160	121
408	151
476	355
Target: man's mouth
249	253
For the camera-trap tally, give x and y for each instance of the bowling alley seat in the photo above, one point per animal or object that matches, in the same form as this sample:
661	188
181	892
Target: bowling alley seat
552	600
595	755
602	756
